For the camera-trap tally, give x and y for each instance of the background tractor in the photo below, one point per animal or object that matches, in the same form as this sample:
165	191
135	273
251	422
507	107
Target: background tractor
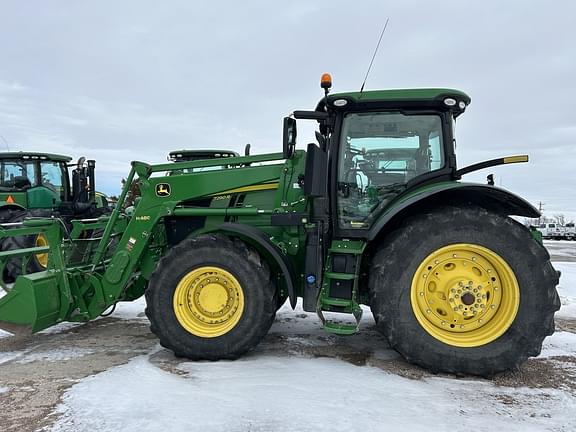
39	185
372	214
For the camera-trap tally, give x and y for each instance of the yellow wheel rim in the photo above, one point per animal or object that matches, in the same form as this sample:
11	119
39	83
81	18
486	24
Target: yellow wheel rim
465	295
208	302
42	258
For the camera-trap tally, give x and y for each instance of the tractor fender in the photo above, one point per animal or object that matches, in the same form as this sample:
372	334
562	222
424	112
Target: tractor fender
261	241
491	198
6	211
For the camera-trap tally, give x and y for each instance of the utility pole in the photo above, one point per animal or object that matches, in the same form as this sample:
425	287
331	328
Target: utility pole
540	209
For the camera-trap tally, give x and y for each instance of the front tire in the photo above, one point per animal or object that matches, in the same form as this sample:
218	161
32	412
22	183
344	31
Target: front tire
211	298
464	291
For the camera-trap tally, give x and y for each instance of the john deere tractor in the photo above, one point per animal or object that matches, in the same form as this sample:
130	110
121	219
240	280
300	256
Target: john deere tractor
374	213
38	185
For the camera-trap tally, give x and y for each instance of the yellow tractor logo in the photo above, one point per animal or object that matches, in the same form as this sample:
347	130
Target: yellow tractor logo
163	190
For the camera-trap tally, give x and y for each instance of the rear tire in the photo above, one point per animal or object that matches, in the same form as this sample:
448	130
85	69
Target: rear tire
211	298
24	265
416	314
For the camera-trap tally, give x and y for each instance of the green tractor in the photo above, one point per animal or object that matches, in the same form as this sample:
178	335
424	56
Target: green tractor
39	185
373	214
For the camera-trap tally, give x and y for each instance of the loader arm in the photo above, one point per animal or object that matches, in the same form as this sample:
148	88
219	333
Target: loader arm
82	291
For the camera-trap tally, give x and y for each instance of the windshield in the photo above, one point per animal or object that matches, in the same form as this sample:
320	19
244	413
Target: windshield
52	176
17	175
380	152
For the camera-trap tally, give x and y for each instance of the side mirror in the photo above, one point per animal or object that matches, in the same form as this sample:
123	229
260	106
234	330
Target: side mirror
316	171
289	141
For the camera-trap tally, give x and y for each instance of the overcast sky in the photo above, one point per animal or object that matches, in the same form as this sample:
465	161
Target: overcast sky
123	80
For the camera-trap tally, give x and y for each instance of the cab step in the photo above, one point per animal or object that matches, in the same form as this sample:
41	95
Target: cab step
340	328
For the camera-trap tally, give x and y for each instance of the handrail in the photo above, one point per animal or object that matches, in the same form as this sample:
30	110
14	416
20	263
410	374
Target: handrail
175	166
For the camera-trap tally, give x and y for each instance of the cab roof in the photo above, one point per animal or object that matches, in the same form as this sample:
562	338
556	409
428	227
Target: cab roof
35	156
179	155
422	98
422	94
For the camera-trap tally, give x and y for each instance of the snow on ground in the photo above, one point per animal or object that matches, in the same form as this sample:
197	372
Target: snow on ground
268	391
48	355
561	343
133	310
293	386
567	289
54	356
300	394
561	247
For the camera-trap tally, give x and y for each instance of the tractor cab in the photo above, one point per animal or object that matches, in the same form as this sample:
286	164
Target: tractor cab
377	146
30	180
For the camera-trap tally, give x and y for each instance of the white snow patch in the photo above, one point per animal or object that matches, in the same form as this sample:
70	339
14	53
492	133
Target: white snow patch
559	344
54	355
568	246
10	355
567	289
31	356
133	310
296	394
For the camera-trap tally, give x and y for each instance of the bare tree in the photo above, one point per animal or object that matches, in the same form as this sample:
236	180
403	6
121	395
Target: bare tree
133	192
560	219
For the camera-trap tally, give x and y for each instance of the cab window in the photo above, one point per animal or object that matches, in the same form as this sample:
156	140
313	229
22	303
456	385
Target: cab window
17	175
52	176
380	152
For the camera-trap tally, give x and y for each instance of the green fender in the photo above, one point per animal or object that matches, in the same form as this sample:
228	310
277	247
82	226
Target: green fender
453	193
14	206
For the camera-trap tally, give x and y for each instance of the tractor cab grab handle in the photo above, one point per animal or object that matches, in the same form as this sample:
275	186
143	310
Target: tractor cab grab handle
491	163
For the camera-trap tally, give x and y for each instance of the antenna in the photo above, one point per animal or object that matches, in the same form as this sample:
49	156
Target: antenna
374	55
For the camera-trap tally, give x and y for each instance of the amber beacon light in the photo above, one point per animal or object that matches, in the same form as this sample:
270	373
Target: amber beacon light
326	81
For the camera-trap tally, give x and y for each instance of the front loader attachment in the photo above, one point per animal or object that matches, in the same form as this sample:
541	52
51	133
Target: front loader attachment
71	286
37	300
33	304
